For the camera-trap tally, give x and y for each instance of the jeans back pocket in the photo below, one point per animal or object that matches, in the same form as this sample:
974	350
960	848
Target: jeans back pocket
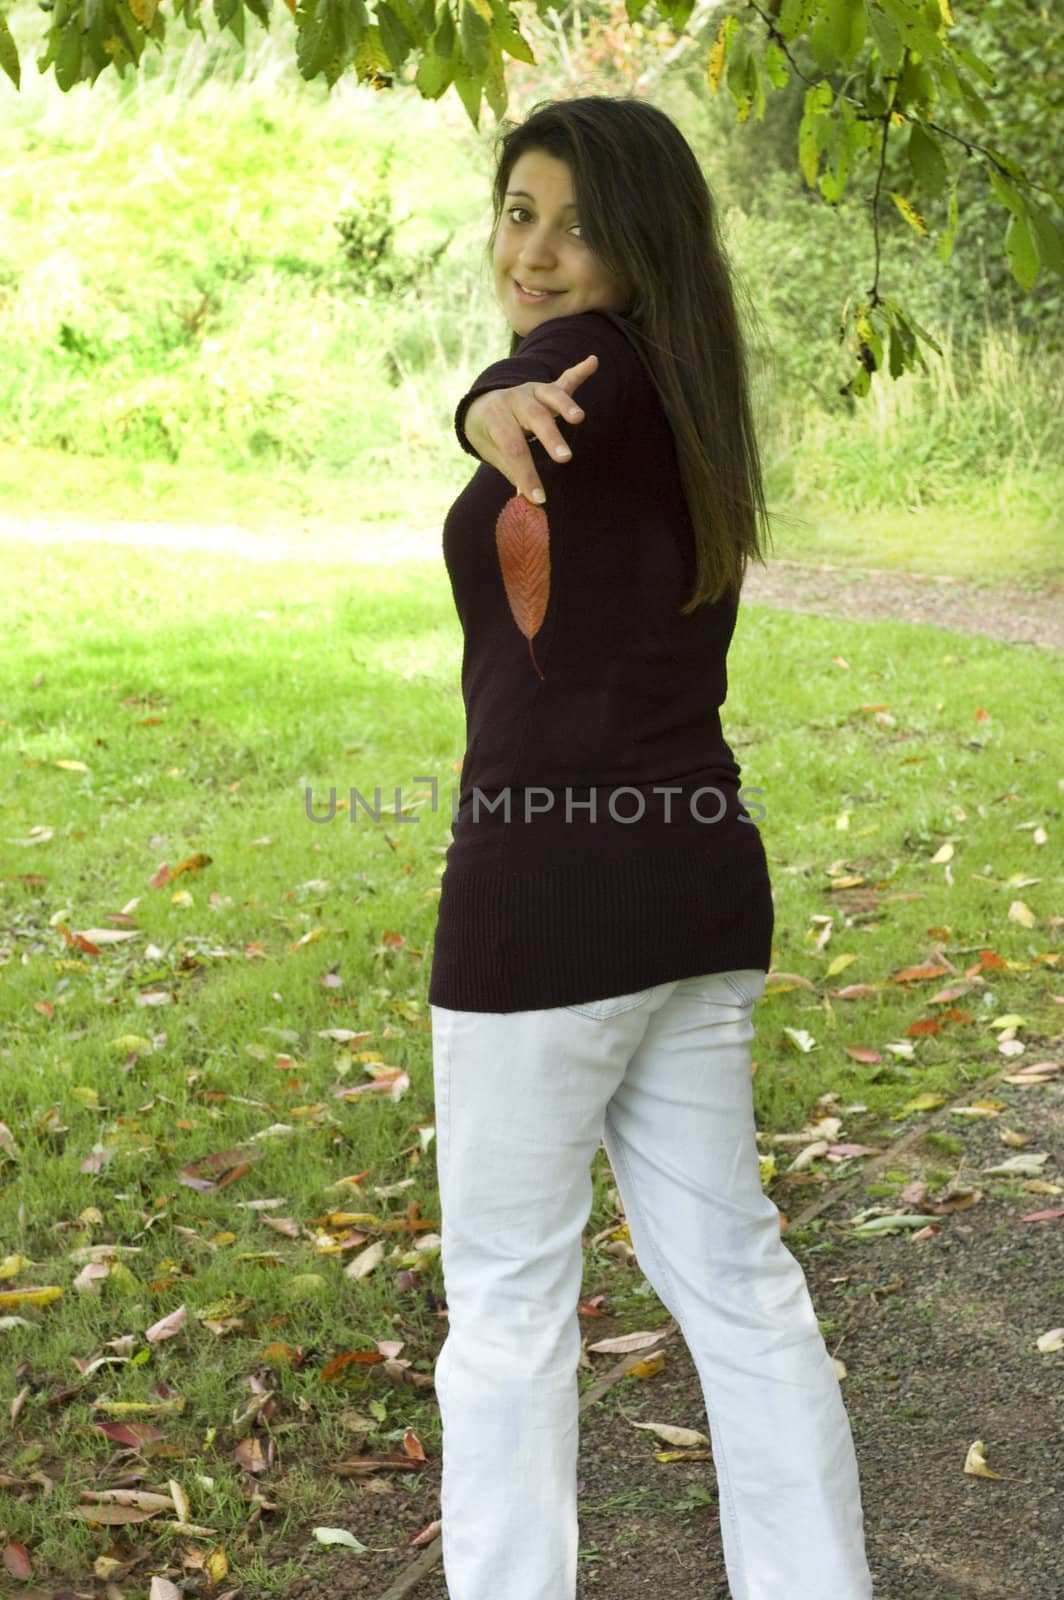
602	1010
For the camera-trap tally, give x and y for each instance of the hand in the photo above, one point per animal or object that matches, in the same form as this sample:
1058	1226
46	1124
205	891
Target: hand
499	424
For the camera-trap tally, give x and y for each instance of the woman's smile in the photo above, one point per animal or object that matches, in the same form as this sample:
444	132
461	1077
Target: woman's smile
534	299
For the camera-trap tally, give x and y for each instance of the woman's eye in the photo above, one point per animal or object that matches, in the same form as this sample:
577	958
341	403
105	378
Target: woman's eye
526	213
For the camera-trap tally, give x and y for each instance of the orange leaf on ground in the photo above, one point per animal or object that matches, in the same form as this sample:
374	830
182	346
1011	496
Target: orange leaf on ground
17	1560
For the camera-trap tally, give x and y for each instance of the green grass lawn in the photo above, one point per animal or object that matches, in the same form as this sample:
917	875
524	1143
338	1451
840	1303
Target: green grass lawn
167	708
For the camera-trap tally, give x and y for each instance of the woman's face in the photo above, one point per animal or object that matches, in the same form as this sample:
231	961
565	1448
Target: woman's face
539	245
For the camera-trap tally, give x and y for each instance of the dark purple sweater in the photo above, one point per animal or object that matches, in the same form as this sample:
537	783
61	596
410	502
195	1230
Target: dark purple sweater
556	904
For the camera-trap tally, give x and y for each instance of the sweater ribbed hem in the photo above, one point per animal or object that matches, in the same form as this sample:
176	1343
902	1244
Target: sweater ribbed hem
513	941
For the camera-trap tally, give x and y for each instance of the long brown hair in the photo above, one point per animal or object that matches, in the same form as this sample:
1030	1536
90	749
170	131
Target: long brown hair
647	213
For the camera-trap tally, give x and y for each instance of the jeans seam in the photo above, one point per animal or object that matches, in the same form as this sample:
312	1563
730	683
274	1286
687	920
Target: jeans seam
723	1480
737	989
635	1000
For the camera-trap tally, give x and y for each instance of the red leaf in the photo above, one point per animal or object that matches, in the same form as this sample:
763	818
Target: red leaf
17	1559
333	1369
194	863
133	1434
77	941
522	539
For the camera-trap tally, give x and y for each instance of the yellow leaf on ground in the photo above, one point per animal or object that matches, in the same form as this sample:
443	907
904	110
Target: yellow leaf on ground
975	1462
28	1297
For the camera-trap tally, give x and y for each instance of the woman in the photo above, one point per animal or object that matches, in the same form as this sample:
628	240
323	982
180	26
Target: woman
605	919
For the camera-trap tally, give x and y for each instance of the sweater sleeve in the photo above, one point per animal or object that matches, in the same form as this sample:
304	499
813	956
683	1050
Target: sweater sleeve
546	352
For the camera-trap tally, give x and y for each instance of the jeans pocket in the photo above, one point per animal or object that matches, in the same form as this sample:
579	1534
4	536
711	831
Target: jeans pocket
602	1010
747	982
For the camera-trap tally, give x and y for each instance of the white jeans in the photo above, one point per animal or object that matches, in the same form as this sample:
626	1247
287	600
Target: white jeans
663	1078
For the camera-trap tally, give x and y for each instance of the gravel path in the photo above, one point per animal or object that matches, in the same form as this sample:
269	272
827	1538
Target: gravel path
998	611
1009	612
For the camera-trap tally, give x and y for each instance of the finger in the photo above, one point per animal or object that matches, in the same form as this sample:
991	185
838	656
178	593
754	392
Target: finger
564	404
540	419
520	468
576	375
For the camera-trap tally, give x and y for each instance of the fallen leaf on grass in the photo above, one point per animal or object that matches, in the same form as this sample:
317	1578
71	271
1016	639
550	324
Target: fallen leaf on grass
954	991
811	1153
17	1560
29	1297
686	1438
191	864
1034	1072
953	1200
167	1327
366	1261
340	1536
363	1466
1053	1340
900	1219
1028	1166
130	1497
392	1081
140	1408
250	1453
920	1102
335	1368
112	1516
626	1342
77	942
228	1164
24	1393
180	1499
648	1367
130	1434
